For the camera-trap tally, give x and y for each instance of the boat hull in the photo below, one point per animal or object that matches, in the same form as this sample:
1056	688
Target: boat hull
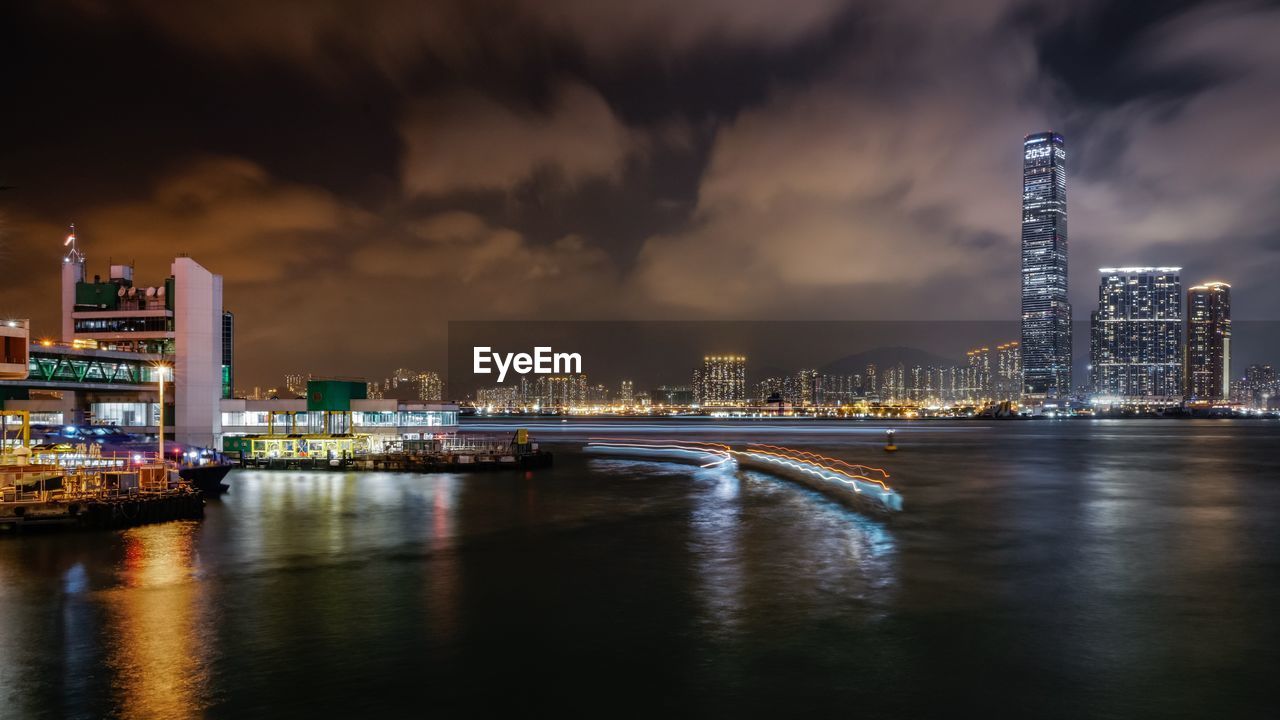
207	478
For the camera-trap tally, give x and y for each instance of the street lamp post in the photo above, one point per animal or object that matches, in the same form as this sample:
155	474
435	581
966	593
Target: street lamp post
161	371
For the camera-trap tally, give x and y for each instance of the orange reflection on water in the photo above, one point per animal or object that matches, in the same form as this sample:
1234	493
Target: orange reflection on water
442	576
157	638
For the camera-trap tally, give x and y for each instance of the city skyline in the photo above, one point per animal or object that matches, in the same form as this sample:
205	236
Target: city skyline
799	188
663	358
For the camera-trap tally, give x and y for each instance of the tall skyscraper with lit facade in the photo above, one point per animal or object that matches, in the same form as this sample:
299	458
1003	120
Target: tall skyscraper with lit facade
1136	340
1208	358
1046	312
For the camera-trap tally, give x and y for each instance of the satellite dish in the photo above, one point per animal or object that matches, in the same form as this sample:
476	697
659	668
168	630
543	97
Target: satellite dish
151	292
160	291
120	292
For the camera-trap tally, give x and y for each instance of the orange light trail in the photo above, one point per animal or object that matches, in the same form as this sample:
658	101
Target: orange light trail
723	452
801	460
806	453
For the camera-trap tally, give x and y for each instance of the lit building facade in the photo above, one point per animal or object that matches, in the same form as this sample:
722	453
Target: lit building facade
1208	357
1136	339
837	390
978	374
1008	382
1259	389
429	386
722	381
291	420
296	383
500	397
560	391
807	388
1046	311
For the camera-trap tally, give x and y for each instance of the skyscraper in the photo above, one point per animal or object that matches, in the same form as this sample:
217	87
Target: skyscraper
1208	360
1136	343
1046	312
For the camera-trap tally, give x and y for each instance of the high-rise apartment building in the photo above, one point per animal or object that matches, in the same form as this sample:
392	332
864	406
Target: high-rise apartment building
1136	339
428	386
1208	358
722	381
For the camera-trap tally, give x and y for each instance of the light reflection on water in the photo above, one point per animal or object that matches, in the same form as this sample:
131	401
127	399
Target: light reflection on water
1093	568
749	532
155	649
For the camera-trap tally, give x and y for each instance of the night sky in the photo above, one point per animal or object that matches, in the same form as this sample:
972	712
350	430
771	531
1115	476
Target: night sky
362	172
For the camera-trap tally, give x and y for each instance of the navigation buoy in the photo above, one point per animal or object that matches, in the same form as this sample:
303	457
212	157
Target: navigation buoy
888	442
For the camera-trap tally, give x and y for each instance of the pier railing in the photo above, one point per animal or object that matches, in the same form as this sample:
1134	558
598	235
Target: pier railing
109	476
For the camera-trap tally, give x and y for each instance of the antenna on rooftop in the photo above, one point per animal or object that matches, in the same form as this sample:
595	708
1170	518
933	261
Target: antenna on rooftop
73	255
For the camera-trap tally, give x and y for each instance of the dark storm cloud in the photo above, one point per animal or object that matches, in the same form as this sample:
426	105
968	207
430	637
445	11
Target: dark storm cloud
471	142
374	169
395	34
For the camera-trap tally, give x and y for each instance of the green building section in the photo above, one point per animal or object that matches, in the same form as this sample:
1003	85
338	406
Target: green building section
106	295
99	295
334	395
57	367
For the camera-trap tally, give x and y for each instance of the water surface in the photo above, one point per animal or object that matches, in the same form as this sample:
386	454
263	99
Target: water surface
1068	569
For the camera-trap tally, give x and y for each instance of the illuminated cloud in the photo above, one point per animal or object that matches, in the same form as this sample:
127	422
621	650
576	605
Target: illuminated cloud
881	186
890	187
568	159
300	264
1188	176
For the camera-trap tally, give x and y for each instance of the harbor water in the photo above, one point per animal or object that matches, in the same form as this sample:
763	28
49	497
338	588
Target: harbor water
1040	569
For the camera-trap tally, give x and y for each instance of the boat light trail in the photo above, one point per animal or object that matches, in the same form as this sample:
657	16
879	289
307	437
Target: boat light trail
720	452
826	474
